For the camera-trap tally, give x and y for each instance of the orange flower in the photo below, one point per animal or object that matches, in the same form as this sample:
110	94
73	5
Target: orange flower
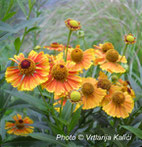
20	126
73	25
129	39
30	72
55	46
105	83
62	78
104	47
110	61
82	59
101	50
119	105
92	95
107	98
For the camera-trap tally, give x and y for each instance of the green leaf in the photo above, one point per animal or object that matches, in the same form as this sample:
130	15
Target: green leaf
9	15
27	23
75	118
119	143
20	3
17	44
56	129
38	103
66	112
6	27
47	138
30	4
32	29
23	142
9	7
9	30
135	131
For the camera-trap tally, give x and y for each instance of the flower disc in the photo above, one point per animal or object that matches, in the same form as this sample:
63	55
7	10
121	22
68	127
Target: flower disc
77	55
87	89
60	72
118	98
27	66
107	46
104	84
112	55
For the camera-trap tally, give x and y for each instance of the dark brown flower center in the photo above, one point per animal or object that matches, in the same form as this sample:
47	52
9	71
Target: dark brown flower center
20	124
112	55
104	84
27	66
77	55
87	89
21	121
118	98
59	72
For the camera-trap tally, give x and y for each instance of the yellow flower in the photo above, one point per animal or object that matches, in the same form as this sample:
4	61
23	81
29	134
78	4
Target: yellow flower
73	25
20	126
103	81
92	95
110	61
120	104
75	96
130	39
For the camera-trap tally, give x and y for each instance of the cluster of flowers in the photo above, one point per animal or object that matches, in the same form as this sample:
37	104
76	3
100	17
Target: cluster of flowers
61	74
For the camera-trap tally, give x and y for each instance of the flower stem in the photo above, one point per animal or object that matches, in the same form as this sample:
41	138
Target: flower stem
72	105
42	95
68	41
124	51
85	44
61	107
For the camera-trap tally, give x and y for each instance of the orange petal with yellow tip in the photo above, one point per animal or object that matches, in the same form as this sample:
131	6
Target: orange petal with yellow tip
20	57
14	60
11	131
112	67
17	117
102	75
9	125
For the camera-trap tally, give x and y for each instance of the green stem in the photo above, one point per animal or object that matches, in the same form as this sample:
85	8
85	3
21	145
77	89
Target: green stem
61	107
85	44
124	51
42	95
72	105
68	41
